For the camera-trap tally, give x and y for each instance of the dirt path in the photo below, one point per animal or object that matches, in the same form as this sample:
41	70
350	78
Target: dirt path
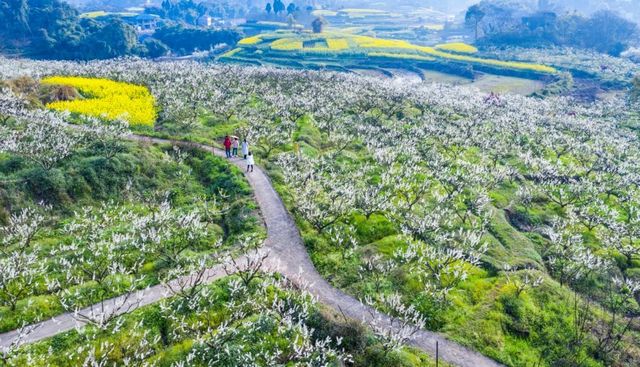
288	256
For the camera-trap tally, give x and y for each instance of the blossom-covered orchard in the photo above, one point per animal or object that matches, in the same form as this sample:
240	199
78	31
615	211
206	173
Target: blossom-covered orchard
87	216
508	223
610	70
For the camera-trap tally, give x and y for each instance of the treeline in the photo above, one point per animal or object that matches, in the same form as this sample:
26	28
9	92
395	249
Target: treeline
185	11
52	29
185	40
498	23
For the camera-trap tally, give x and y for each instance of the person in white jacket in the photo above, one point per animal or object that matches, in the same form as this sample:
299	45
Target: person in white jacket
250	161
245	148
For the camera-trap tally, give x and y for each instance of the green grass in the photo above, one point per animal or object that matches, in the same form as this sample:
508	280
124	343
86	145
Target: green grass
509	246
505	84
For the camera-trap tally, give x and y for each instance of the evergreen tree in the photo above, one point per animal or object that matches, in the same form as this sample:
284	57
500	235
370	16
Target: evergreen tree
473	17
291	8
318	25
278	6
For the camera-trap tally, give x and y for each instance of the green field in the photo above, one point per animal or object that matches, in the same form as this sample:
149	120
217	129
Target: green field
507	84
101	13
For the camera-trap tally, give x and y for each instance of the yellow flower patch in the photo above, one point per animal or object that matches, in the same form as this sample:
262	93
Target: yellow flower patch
231	53
287	44
458	47
337	43
371	42
250	40
107	99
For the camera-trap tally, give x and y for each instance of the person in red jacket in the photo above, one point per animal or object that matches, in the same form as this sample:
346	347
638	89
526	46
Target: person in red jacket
227	146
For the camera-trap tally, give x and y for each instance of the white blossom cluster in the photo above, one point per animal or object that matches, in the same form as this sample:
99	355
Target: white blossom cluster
46	137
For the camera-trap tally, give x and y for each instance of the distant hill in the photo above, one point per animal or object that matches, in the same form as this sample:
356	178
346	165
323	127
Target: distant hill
627	8
53	29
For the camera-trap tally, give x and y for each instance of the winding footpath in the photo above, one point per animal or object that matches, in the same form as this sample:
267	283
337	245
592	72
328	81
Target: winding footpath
287	255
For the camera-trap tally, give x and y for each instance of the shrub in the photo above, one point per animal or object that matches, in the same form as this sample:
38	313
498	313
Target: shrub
373	229
47	186
354	333
55	93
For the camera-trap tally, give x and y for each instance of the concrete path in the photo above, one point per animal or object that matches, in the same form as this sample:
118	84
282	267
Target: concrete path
288	256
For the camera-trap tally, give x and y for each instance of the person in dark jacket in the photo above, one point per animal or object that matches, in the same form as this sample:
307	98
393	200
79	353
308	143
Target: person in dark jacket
227	146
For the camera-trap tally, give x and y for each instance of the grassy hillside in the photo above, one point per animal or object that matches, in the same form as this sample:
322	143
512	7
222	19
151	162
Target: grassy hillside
108	219
498	218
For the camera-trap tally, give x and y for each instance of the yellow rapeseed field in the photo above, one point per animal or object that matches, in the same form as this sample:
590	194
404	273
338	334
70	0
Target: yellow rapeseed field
232	52
107	99
378	43
287	44
337	43
457	47
371	42
492	62
250	40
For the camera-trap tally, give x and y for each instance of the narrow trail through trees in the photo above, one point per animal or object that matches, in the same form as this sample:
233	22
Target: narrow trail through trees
288	256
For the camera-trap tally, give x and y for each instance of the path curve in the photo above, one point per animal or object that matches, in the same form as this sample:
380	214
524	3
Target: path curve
288	255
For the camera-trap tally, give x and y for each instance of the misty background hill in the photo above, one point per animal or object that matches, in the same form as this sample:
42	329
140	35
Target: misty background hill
99	29
626	8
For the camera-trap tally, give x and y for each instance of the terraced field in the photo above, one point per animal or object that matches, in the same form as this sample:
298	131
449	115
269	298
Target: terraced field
339	50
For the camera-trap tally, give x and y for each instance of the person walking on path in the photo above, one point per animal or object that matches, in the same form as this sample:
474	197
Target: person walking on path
227	146
250	162
235	145
245	148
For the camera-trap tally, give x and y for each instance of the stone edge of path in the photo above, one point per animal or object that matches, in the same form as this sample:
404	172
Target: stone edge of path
288	256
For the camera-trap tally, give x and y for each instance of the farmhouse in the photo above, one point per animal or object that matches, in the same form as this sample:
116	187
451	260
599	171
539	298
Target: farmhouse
205	21
144	22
